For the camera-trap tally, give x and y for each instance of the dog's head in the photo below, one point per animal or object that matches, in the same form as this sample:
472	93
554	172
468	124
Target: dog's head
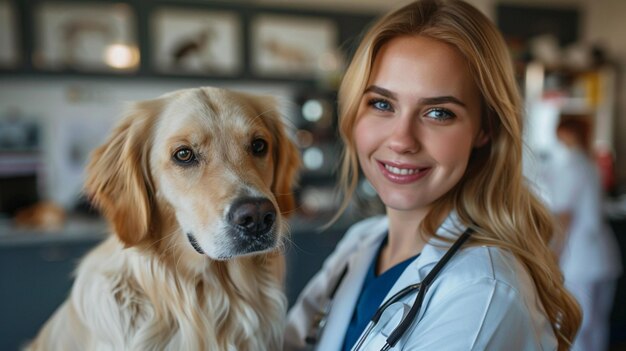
209	165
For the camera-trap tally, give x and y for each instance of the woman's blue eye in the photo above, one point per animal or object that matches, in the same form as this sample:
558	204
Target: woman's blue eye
382	105
440	114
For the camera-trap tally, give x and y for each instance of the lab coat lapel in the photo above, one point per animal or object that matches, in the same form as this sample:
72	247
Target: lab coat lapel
349	290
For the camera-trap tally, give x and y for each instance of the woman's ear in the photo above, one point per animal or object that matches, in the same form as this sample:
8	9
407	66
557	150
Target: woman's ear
481	139
118	180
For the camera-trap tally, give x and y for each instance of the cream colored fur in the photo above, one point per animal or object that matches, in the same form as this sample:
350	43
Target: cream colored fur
145	287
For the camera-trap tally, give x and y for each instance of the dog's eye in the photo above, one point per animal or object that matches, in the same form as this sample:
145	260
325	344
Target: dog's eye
259	147
184	156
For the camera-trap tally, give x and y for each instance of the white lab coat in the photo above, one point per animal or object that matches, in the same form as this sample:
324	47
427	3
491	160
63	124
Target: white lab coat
590	259
591	252
483	299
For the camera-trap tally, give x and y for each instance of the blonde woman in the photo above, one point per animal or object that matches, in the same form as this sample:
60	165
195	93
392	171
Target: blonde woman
430	111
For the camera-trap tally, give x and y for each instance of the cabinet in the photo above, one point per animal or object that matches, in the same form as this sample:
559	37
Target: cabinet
589	93
35	278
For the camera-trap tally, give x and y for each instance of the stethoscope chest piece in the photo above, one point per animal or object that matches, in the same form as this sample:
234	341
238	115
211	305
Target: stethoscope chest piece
376	334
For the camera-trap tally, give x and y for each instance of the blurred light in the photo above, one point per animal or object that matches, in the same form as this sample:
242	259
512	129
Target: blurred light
316	199
304	138
312	110
313	158
121	56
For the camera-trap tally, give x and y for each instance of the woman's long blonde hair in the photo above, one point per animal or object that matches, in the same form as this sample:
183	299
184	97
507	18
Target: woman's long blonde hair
492	196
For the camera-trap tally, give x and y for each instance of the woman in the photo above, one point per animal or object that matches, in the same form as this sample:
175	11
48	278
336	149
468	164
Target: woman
430	111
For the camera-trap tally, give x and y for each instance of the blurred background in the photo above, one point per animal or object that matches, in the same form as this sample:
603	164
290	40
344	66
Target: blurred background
67	69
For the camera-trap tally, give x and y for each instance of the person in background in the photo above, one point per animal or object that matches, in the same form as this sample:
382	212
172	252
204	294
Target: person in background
430	111
587	250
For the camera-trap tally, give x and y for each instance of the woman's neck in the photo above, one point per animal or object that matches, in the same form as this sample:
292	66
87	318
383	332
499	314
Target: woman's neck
404	238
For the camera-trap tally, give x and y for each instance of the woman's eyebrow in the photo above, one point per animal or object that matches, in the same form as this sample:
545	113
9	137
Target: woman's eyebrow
381	91
437	100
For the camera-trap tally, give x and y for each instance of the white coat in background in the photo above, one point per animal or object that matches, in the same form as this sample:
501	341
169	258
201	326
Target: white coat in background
483	299
590	259
591	252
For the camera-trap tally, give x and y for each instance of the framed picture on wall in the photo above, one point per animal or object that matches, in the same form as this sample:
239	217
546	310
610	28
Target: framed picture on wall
85	37
291	46
192	41
9	52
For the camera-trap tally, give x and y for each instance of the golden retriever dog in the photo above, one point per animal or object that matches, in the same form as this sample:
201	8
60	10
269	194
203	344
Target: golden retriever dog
197	186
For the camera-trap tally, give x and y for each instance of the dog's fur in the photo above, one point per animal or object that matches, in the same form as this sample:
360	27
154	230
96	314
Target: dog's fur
178	274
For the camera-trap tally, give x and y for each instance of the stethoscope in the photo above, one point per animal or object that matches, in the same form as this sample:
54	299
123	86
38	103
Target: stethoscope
406	322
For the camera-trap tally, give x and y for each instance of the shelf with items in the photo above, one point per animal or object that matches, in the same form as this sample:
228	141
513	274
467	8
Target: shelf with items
552	93
19	144
19	163
583	92
21	160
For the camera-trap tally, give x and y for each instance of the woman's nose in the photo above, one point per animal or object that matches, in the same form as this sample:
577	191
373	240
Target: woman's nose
403	138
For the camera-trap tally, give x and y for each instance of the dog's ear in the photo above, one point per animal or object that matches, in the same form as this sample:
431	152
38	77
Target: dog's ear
118	178
286	167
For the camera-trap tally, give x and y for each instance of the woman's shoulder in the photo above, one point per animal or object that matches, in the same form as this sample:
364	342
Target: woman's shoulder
486	292
489	264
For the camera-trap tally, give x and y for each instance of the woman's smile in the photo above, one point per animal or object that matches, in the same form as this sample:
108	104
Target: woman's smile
401	173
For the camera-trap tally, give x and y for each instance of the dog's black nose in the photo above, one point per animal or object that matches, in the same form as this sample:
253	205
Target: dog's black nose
252	215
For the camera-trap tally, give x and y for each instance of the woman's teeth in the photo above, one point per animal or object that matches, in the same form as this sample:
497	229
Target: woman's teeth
401	171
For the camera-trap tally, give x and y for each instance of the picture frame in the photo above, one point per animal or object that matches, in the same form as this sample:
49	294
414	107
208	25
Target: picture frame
9	39
87	37
196	41
291	46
